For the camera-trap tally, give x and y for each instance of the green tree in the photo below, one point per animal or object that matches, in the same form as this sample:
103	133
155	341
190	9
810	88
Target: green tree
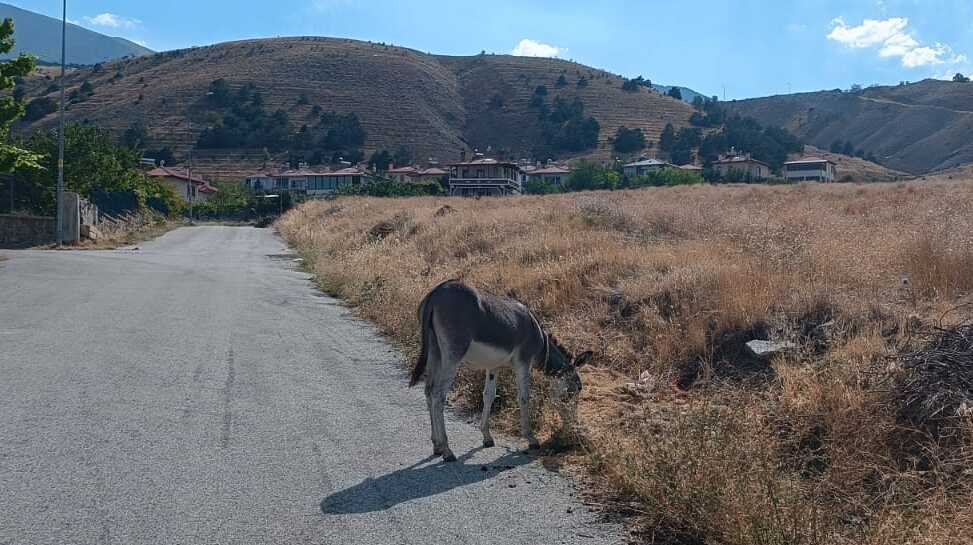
403	156
380	160
628	140
39	107
540	187
136	136
675	93
12	157
219	93
588	175
92	162
960	78
667	138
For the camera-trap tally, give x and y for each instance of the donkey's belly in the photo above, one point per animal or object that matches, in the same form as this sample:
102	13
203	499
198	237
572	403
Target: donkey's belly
486	357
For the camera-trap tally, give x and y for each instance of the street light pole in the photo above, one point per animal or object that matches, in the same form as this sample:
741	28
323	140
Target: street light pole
60	130
192	186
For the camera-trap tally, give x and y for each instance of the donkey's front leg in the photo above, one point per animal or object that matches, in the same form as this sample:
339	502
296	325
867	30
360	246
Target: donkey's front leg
523	382
489	393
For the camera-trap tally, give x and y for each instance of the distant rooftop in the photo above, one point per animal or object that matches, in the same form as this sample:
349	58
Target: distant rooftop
809	160
648	163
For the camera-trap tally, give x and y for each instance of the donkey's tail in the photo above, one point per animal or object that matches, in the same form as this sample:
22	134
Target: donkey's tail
425	324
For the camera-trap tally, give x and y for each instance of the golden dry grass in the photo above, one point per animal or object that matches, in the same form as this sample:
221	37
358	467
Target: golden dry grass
711	445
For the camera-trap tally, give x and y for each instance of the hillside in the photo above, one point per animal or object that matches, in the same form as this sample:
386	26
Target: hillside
854	169
916	128
40	36
435	105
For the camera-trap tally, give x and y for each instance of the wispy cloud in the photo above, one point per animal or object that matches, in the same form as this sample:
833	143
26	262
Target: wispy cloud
110	20
533	48
893	39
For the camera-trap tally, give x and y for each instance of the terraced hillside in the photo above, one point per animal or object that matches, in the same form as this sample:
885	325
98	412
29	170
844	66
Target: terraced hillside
916	128
435	105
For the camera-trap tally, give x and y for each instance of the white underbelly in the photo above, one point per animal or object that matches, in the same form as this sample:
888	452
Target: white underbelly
487	357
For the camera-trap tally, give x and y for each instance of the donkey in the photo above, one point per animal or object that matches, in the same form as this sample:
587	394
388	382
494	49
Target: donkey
460	326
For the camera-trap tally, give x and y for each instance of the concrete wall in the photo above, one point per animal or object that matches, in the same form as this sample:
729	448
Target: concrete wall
26	231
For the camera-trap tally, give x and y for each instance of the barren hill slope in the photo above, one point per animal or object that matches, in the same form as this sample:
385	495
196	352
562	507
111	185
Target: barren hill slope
915	128
434	105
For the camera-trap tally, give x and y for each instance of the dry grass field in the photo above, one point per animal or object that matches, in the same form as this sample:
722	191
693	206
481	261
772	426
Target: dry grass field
851	437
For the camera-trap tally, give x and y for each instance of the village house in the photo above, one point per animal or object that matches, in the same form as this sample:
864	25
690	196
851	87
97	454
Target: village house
179	181
810	169
485	177
742	167
550	173
643	167
313	182
416	174
328	183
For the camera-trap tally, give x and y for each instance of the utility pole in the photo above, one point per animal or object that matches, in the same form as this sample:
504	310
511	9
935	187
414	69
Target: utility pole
192	186
60	130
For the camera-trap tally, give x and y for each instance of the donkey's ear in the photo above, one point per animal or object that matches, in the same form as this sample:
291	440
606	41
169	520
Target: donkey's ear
583	358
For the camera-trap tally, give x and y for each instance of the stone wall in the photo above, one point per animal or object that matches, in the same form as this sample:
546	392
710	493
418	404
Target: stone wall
26	231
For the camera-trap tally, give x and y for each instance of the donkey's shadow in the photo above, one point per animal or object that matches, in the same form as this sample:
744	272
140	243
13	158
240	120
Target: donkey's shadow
420	480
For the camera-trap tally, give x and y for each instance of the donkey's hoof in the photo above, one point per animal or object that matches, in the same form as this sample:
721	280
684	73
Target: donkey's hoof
488	443
533	445
449	457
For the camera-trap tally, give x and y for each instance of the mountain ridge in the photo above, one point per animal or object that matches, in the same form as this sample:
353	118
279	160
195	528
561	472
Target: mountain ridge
40	35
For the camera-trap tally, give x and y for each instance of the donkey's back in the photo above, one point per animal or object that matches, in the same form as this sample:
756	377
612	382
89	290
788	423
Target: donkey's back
484	330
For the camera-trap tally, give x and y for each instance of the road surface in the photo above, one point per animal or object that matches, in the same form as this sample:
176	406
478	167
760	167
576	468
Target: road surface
198	390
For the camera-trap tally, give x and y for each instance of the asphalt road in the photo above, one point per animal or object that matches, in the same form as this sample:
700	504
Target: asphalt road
199	390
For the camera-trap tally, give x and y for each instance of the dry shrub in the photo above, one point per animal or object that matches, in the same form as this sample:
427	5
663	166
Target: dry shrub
936	392
709	474
666	286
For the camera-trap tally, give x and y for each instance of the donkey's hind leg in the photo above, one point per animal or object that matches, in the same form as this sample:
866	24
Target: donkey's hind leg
489	393
451	351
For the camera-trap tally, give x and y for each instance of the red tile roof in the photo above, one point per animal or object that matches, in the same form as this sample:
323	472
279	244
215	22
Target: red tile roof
167	172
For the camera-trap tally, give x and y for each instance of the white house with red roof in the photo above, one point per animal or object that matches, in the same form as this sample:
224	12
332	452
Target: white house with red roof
744	167
178	179
550	173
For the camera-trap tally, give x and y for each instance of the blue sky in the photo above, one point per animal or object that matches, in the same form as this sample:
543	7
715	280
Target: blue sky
752	47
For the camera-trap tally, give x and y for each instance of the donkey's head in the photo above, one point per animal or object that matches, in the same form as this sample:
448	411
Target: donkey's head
563	366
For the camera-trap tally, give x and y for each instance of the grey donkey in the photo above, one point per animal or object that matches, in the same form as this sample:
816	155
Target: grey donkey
461	325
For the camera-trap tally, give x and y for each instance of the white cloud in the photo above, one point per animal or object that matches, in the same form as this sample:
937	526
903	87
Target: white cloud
532	48
110	20
893	39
